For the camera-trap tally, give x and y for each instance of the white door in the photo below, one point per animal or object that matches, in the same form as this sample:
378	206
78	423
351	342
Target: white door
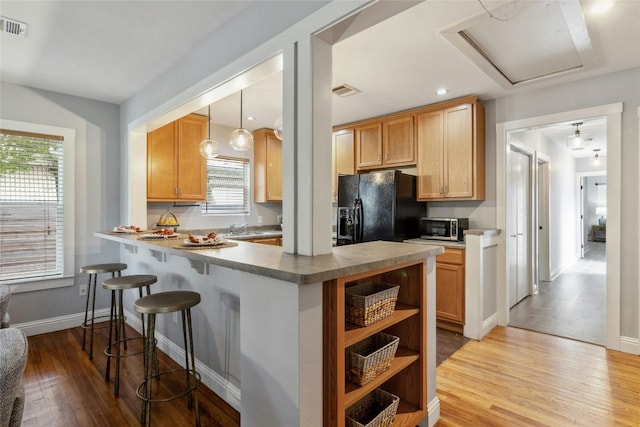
518	206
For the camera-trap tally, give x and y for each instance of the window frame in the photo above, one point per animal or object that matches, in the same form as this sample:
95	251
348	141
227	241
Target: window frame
247	188
67	278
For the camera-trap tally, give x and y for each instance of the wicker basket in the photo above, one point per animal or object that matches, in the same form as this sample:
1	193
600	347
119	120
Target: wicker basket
377	409
370	357
368	303
168	220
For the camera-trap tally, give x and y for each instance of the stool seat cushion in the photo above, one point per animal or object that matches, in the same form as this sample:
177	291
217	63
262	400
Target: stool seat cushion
133	281
13	359
167	302
103	268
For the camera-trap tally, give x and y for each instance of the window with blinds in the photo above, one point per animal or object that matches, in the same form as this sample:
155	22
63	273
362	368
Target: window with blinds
227	186
31	206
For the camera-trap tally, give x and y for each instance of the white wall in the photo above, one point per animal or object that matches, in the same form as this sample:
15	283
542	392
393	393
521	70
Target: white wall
97	188
602	90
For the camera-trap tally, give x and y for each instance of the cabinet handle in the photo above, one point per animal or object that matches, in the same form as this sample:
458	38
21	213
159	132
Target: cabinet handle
446	189
386	156
379	157
441	189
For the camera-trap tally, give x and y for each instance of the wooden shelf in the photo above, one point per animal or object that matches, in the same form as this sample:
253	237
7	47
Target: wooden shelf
354	333
353	392
408	415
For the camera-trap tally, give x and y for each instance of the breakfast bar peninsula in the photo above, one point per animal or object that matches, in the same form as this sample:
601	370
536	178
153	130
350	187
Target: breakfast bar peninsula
270	334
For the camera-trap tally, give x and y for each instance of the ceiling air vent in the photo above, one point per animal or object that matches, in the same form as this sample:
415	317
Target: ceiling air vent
345	90
11	26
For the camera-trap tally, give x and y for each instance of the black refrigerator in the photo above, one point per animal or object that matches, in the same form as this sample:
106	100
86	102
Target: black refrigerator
378	206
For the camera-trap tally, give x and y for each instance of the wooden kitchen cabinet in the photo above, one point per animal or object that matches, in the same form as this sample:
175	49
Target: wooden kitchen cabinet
398	142
368	140
267	166
175	168
451	152
450	293
274	241
406	378
343	157
385	143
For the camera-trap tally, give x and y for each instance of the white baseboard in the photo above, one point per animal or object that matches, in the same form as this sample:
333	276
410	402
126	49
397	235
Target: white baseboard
433	411
488	324
216	382
630	345
59	323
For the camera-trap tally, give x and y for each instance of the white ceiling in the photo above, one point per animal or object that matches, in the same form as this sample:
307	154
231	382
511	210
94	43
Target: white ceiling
108	50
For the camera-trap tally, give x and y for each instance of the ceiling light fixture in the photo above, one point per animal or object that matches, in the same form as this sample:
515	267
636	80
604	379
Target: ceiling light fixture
241	139
601	7
575	141
442	91
596	158
209	148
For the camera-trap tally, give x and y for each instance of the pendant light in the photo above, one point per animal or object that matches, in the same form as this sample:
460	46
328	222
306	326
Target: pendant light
596	158
575	141
277	128
241	139
209	148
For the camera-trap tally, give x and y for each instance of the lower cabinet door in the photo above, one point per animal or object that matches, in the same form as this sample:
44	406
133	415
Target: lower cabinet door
450	292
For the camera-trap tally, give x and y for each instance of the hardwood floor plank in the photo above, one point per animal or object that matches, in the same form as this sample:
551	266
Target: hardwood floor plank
64	388
517	377
513	377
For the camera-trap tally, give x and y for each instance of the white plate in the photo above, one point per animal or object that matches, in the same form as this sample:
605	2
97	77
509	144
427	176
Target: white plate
215	242
124	231
158	236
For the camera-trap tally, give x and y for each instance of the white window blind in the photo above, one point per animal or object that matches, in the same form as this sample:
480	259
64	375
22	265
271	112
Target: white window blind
31	206
227	186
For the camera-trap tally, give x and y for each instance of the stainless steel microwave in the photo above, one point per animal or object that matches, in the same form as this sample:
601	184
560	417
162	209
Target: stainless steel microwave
444	228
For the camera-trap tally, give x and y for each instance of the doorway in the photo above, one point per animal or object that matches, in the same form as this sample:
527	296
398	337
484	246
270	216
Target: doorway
568	301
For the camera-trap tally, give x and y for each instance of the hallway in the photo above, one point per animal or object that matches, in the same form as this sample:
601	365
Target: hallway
573	305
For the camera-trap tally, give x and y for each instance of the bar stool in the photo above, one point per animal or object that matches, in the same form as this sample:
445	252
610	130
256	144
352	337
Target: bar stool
117	319
168	302
93	271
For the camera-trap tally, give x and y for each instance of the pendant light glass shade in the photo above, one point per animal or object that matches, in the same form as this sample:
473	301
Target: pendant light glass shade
277	128
241	139
209	148
575	141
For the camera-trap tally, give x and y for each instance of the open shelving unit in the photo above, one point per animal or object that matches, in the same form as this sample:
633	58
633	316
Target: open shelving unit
407	376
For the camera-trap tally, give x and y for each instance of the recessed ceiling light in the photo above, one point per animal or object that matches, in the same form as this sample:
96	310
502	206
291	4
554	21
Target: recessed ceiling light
601	7
251	118
442	91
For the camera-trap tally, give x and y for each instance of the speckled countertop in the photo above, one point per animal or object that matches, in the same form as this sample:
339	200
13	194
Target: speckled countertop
454	244
270	261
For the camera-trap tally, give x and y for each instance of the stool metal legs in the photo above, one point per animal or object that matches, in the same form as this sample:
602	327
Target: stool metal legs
117	327
151	369
91	295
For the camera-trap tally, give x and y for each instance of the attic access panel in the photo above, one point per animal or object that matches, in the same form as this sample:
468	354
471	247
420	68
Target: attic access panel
525	41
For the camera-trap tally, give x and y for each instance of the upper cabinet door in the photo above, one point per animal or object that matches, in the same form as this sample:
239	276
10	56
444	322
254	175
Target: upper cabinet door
369	145
430	155
267	166
458	151
398	142
274	168
192	167
161	163
343	157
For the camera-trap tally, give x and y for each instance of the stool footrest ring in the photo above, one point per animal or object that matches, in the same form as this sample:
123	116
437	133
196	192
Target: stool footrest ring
191	386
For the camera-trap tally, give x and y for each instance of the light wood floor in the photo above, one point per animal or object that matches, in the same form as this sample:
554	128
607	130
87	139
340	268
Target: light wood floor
515	377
